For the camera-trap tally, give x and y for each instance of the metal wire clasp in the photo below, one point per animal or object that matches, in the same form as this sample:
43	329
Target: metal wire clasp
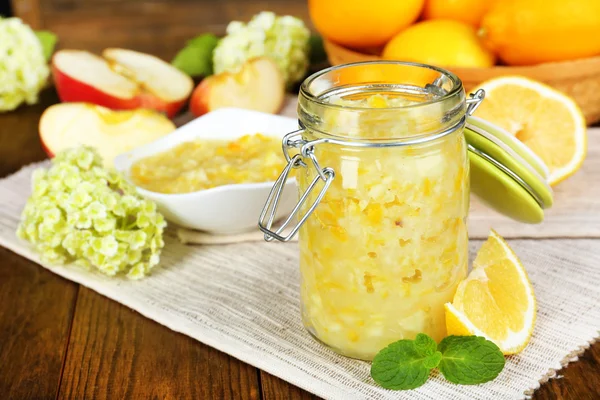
474	100
327	175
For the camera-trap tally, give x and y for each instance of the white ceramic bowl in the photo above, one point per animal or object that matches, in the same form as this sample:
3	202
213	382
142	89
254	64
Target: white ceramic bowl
223	209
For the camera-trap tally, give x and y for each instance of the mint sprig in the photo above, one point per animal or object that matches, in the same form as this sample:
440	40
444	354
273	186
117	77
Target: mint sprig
466	360
405	364
470	360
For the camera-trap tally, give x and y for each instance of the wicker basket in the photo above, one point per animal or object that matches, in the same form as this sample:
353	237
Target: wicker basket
579	79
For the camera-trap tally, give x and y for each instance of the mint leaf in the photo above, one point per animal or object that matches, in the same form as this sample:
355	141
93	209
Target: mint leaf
433	360
425	345
405	364
48	41
196	58
470	360
428	348
465	360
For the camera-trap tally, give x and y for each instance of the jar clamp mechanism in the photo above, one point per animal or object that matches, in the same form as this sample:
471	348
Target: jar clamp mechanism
327	174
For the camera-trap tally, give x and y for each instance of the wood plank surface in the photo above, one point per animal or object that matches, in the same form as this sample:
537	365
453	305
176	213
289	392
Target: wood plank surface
29	11
274	388
115	353
36	310
19	140
160	27
578	381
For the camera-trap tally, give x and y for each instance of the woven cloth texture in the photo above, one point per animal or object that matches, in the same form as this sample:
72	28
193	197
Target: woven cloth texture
243	299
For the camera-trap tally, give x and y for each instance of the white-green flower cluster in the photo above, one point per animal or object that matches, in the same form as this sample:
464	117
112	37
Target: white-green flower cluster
23	68
80	212
284	39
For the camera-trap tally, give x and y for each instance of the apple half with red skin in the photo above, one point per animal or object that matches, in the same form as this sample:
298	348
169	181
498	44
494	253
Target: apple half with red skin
110	132
258	85
121	80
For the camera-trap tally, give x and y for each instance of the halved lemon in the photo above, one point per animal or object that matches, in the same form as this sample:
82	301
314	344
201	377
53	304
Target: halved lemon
496	300
549	122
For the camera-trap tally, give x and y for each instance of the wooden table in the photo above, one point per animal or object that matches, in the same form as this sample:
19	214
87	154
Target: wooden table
59	339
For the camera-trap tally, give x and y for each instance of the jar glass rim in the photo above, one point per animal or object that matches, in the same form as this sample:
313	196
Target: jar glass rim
305	90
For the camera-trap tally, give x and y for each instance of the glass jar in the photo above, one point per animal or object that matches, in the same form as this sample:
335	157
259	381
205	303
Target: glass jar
383	177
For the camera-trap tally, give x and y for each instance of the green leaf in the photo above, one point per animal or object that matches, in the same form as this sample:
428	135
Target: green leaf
470	360
425	345
405	364
317	50
196	58
48	41
205	40
433	360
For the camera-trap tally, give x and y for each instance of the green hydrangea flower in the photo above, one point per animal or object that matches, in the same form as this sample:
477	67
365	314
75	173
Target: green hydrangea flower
23	68
284	39
83	214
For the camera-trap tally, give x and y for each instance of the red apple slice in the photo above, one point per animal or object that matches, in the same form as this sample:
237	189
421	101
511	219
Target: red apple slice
67	125
258	85
128	80
165	87
83	76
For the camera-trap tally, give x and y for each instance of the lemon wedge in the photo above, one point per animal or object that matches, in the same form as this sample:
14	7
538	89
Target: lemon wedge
496	300
547	121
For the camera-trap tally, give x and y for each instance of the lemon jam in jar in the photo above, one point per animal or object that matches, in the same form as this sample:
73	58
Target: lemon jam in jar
383	176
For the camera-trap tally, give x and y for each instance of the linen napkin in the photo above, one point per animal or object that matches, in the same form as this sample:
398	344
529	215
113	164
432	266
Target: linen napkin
191	236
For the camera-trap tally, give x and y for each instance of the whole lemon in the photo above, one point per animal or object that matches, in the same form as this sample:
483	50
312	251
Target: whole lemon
525	32
439	42
362	23
468	11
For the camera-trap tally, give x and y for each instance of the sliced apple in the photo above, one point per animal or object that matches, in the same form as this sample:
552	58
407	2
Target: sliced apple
165	87
67	125
258	85
122	80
